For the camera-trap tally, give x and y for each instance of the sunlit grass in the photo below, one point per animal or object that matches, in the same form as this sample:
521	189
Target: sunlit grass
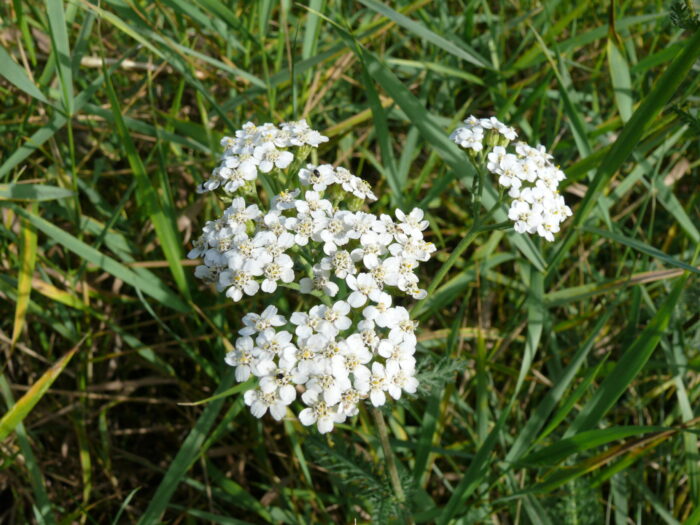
559	379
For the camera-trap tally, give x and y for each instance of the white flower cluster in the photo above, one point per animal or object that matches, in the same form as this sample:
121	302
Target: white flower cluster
528	173
354	343
259	149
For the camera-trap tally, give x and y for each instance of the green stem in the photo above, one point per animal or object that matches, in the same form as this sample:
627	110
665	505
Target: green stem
391	464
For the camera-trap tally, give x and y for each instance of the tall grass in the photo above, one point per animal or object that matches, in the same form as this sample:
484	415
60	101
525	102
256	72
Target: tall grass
559	381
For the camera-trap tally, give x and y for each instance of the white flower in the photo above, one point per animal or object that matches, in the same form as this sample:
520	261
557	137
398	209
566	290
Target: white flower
312	202
375	385
238	214
307	323
321	282
404	328
319	412
397	352
270	344
285	200
241	278
305	356
341	263
329	385
381	312
277	269
280	380
242	358
364	287
255	323
319	177
348	402
413	223
398	380
270	157
352	358
337	315
338	231
259	402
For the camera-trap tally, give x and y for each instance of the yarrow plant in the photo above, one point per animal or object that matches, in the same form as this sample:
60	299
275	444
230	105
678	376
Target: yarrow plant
526	172
348	341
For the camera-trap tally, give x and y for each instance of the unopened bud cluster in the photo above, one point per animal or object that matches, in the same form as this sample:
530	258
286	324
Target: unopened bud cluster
347	341
528	173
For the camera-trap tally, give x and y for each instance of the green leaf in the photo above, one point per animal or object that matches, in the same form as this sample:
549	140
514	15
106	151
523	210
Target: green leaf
61	50
16	414
631	134
41	504
465	53
26	272
189	452
18	76
538	417
565	448
629	365
621	81
148	198
32	192
154	288
642	247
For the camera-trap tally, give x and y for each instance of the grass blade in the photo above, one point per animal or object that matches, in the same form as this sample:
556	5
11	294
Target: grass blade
14	74
642	247
154	288
586	440
16	414
540	415
147	196
631	134
61	50
189	452
621	81
43	513
24	282
629	365
32	192
465	53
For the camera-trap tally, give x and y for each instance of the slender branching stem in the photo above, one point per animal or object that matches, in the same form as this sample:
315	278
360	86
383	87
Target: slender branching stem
391	464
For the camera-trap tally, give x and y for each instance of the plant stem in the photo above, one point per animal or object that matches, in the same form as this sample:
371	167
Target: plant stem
391	464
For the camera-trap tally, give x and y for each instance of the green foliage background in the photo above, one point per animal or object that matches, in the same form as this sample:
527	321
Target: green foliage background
559	380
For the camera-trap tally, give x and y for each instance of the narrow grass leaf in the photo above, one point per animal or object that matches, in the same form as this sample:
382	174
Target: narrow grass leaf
383	135
631	134
17	412
57	122
621	81
629	365
586	440
42	505
17	76
643	248
26	271
311	30
528	434
660	507
464	52
563	475
166	230
61	50
33	192
226	393
189	452
153	287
